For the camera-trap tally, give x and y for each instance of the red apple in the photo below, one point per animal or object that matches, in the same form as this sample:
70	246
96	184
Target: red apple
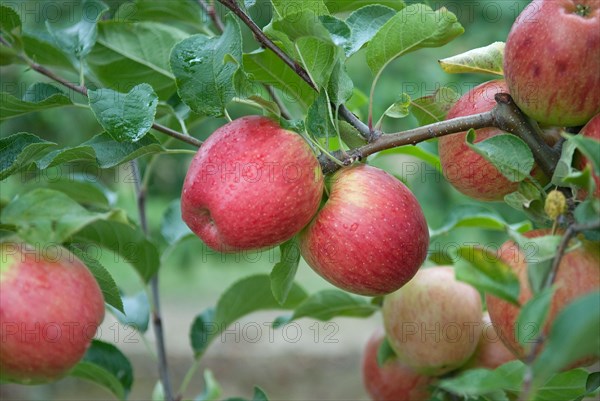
370	237
467	171
50	308
552	61
433	322
251	185
393	381
578	274
491	351
591	130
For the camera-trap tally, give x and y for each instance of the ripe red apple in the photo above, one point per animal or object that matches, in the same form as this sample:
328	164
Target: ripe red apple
393	381
370	237
578	274
591	130
50	308
433	322
467	171
251	185
552	60
491	351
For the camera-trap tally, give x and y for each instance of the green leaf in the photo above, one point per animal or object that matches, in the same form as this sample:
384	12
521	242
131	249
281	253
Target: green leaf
586	212
340	86
417	151
592	382
107	284
173	228
318	119
432	109
327	304
508	153
533	315
10	22
480	382
590	147
105	365
10	28
285	8
44	215
564	386
350	135
477	217
128	54
364	23
247	295
18	151
318	57
283	273
122	239
416	26
167	12
338	29
530	200
563	167
204	69
575	334
264	66
125	117
84	189
77	38
259	395
487	60
338	6
400	108
485	271
385	352
136	312
38	97
104	151
212	389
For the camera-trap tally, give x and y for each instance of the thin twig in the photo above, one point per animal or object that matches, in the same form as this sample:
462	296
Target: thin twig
157	325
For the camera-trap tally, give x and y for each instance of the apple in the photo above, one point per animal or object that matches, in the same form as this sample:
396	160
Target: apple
491	351
433	323
50	308
251	185
578	274
552	59
393	381
591	130
370	237
467	171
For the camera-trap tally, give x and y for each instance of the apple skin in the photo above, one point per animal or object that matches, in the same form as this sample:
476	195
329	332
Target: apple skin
433	322
467	171
552	59
491	351
393	381
252	185
50	308
578	274
370	237
591	130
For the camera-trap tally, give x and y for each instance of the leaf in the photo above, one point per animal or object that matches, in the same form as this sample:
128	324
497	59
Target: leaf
103	150
77	38
204	69
10	22
508	153
125	117
338	6
107	284
564	386
385	352
284	8
590	147
173	228
487	60
319	57
283	273
563	168
167	12
364	23
350	135
18	151
318	119
400	108
416	26
327	304
479	382
575	334
485	271
339	31
128	54
85	189
122	239
104	364
38	97
212	389
247	295
417	151
259	395
264	66
533	315
592	382
432	109
43	216
136	312
588	211
340	86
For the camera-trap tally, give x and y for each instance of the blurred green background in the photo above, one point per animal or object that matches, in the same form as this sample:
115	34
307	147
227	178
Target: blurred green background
324	363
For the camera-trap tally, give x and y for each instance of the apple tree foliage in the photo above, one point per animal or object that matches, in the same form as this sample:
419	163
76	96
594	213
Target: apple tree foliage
149	70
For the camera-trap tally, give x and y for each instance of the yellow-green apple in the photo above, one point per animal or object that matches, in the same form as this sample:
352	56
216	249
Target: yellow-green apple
552	60
393	381
591	130
251	185
50	308
578	274
433	323
491	351
370	237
